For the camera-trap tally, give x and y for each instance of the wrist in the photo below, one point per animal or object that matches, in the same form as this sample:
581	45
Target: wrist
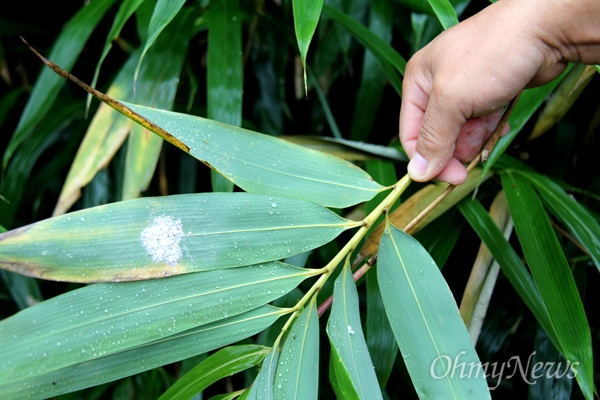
569	28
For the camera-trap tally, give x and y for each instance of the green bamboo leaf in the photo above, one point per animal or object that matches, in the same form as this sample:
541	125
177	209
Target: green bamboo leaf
103	138
229	396
441	235
563	98
528	104
16	179
263	164
225	75
165	351
306	17
547	383
510	262
335	131
104	319
262	388
164	12
155	237
415	204
418	22
24	290
340	379
8	101
552	276
372	80
381	49
425	319
156	87
347	149
143	15
571	213
126	9
349	348
297	375
65	51
225	362
380	337
419	6
382	171
391	62
444	12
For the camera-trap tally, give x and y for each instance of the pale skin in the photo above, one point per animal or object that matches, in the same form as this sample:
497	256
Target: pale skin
455	88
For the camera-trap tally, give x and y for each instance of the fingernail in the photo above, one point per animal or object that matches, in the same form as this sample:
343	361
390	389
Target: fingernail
417	166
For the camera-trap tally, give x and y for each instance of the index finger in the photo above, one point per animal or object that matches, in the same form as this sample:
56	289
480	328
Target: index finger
412	111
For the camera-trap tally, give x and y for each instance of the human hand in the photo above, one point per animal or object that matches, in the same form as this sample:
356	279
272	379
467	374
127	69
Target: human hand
455	88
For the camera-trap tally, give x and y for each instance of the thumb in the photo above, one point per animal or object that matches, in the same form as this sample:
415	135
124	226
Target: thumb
440	129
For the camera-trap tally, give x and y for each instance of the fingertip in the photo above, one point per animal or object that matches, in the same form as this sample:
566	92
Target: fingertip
417	168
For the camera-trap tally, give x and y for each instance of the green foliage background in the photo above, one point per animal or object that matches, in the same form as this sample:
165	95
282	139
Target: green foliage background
238	62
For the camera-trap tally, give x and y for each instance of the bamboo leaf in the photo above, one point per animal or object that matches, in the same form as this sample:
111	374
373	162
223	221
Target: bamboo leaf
156	86
335	131
372	80
552	277
425	319
484	273
441	235
380	337
119	317
549	384
344	329
8	101
225	362
264	164
262	388
391	62
563	98
164	12
17	175
382	50
297	375
155	237
24	290
229	396
444	12
410	208
104	137
579	221
528	104
347	149
65	51
240	155
126	9
170	349
306	17
339	378
225	75
509	261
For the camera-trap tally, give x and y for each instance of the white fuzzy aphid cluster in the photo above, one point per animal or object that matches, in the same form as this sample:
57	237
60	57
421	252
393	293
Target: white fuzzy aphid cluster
161	239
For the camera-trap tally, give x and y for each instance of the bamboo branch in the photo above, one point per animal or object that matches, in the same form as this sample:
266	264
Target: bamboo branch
409	228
